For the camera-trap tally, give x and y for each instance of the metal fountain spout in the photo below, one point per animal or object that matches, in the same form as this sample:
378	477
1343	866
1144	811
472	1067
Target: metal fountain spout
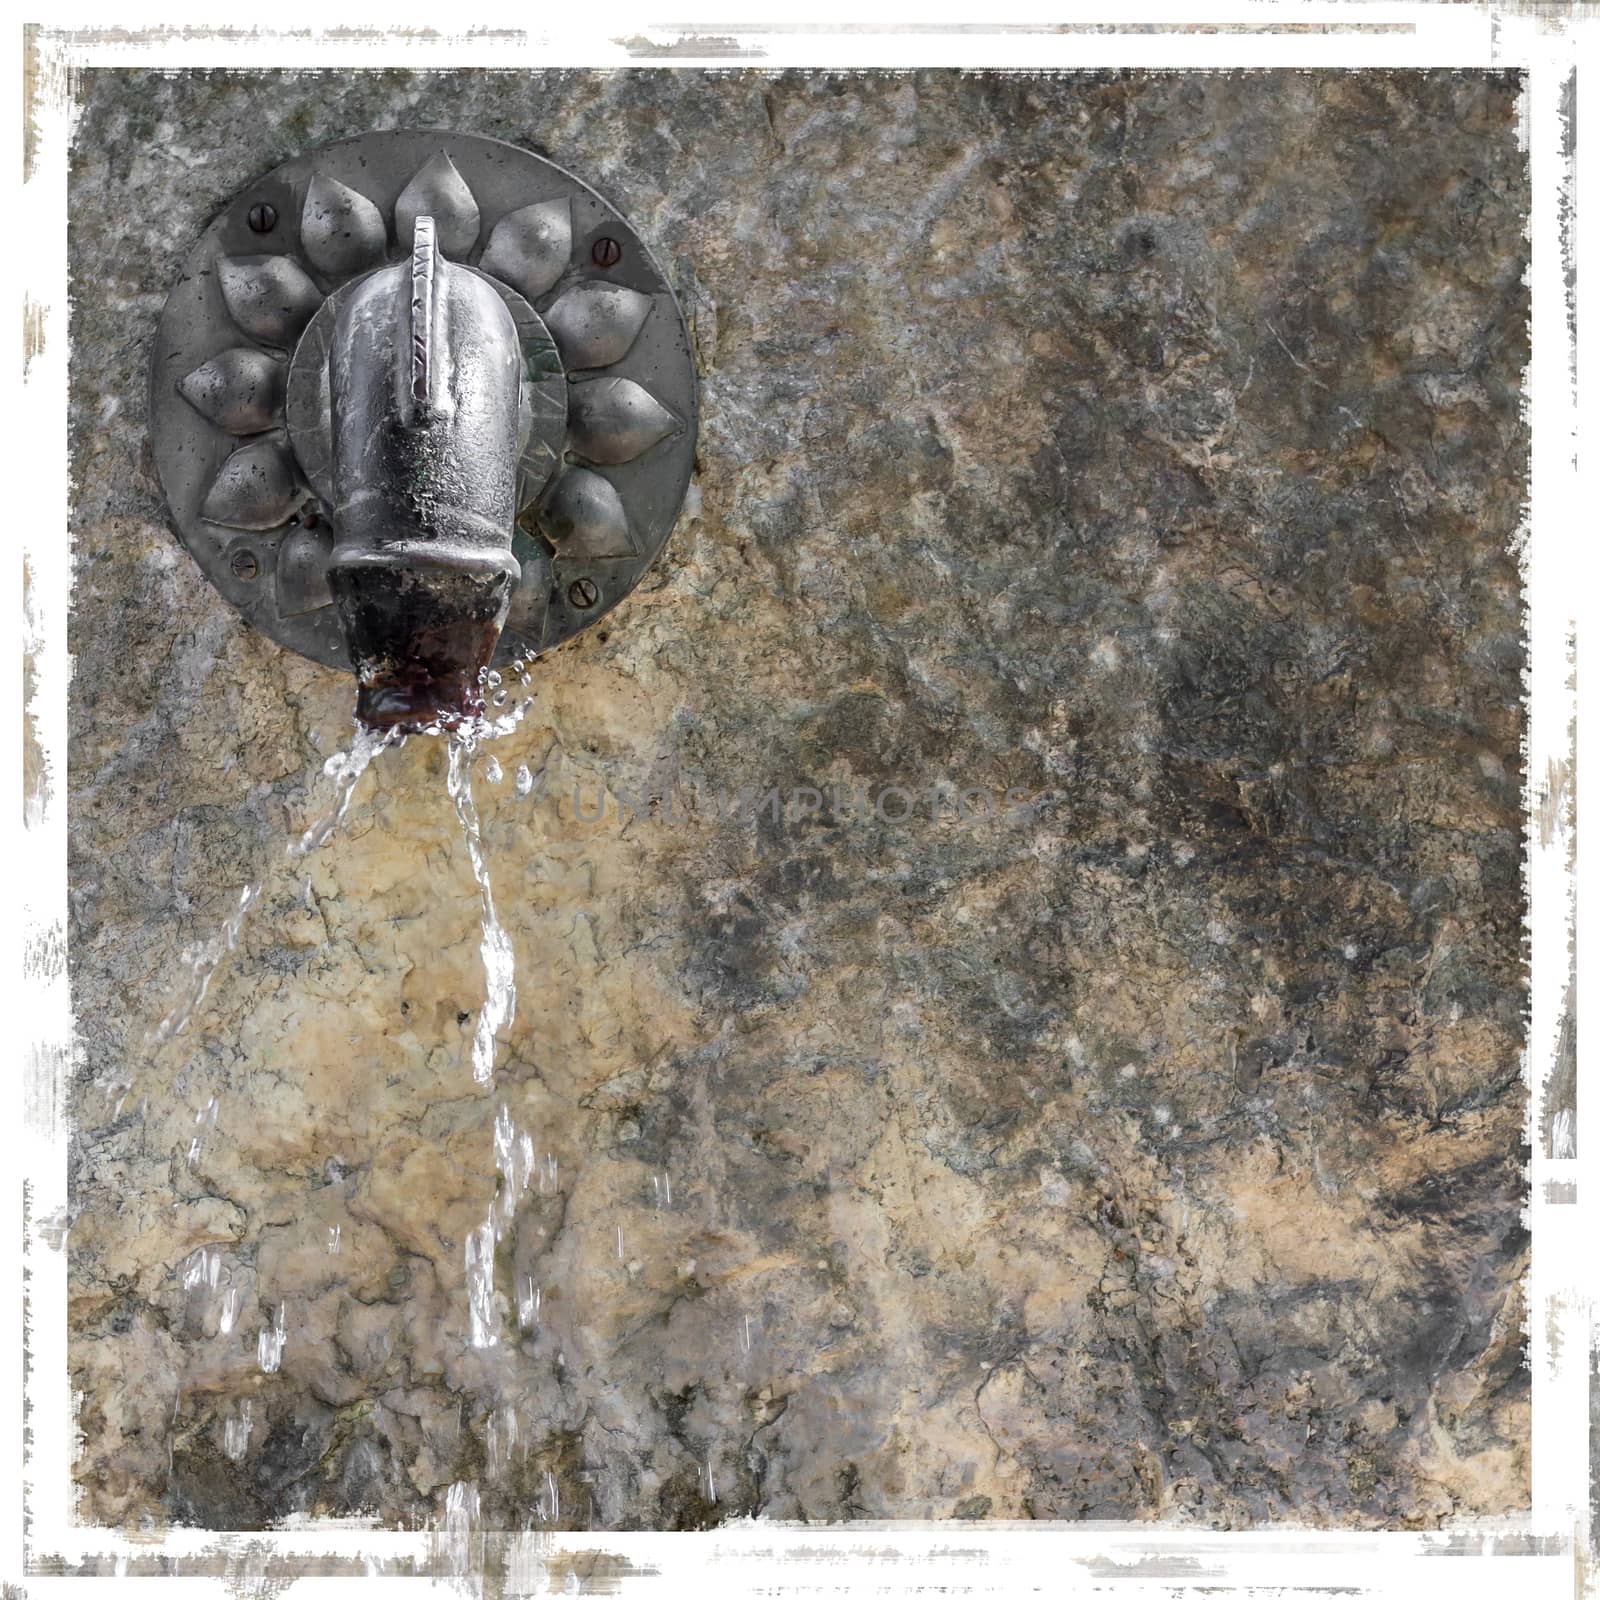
423	405
424	376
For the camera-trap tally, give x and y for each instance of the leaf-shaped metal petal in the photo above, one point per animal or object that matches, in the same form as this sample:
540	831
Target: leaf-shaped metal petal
341	229
594	324
256	488
529	249
270	297
239	390
440	192
612	420
303	571
584	516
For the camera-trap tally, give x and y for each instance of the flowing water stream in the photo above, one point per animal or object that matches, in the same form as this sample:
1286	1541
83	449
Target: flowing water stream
518	1163
345	769
499	961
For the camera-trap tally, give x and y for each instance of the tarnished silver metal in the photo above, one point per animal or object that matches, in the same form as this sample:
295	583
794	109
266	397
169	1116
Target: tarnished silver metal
425	412
552	391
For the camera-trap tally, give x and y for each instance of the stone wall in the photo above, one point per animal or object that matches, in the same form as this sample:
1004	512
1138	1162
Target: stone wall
1146	444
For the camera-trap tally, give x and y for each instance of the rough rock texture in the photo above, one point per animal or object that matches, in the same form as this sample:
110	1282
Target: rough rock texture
1147	444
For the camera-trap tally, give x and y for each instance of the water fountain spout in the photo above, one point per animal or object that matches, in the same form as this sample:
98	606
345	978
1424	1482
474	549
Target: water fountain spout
422	401
425	390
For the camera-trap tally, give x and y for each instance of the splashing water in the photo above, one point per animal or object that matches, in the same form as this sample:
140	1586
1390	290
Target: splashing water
236	1432
270	1342
202	1267
345	769
502	1438
499	961
203	963
517	1163
480	1285
515	1159
528	1297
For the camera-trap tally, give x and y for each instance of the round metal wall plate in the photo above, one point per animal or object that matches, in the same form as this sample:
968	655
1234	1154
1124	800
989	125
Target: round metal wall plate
238	397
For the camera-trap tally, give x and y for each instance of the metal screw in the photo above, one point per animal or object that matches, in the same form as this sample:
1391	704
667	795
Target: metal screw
263	218
606	252
244	565
583	593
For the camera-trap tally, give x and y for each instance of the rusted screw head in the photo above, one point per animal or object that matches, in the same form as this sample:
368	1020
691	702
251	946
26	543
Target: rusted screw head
605	252
583	593
263	218
245	566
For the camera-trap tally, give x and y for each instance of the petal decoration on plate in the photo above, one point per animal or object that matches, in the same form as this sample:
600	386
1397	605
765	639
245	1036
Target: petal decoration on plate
530	248
584	516
303	571
612	420
440	192
256	488
595	324
341	229
270	297
240	390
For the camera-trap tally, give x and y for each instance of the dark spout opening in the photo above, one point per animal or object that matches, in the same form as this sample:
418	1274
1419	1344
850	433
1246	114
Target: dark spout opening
421	628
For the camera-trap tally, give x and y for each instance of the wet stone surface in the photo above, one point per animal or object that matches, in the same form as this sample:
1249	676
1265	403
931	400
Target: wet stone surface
1149	446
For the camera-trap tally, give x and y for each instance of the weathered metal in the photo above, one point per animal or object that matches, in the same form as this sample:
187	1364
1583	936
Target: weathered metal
424	387
412	535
